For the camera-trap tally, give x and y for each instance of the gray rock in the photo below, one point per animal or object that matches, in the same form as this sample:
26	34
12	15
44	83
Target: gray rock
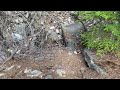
73	28
72	35
27	70
17	38
61	72
49	77
90	60
19	29
33	73
53	36
40	58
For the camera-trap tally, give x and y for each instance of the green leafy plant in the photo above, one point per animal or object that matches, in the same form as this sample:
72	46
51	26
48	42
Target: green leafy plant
104	36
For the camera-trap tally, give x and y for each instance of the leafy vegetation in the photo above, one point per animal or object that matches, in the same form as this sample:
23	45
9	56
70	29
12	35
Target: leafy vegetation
104	36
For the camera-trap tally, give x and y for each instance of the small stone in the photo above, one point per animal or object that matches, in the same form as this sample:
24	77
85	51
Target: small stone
52	27
18	51
26	45
27	15
69	53
2	74
30	39
49	77
17	20
59	36
39	58
72	12
57	31
52	70
19	66
27	70
9	12
82	69
35	73
75	52
20	20
60	72
42	22
54	22
9	50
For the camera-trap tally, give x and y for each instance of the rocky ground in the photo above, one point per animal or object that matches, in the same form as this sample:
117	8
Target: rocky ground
56	62
64	65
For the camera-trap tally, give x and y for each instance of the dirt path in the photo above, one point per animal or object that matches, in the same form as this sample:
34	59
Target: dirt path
56	62
64	65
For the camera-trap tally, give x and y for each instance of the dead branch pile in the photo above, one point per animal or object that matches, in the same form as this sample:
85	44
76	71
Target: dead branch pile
25	34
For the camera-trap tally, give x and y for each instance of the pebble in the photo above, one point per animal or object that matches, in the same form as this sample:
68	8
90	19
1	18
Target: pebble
2	74
20	20
69	53
27	70
52	27
57	31
40	58
19	66
49	77
17	20
60	72
33	73
18	51
75	52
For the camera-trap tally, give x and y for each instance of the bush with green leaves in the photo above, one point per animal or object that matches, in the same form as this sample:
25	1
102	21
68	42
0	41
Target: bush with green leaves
104	36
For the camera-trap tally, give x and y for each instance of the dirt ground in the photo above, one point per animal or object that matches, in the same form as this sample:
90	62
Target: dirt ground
63	65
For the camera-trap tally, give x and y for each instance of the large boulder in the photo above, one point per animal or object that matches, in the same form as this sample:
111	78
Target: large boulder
72	35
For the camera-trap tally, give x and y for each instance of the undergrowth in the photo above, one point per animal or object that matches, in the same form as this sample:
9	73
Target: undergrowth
104	36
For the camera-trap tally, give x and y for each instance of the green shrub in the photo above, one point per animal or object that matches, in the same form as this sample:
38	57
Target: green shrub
103	37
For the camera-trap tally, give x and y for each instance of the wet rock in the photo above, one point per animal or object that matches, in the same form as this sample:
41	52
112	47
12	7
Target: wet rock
49	77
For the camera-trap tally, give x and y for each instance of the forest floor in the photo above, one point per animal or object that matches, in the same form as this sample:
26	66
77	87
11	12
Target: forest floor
62	65
57	62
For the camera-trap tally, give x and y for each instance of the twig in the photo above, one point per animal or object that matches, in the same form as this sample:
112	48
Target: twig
19	73
29	24
9	57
